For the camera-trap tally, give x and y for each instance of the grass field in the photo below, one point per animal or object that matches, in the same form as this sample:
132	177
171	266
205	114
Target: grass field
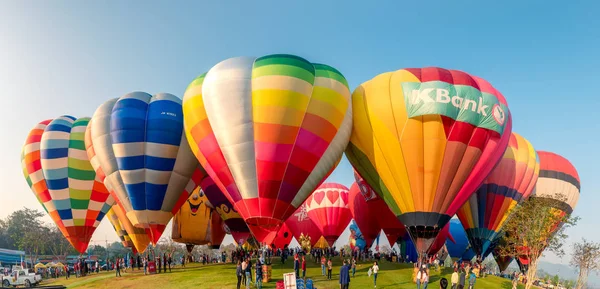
217	276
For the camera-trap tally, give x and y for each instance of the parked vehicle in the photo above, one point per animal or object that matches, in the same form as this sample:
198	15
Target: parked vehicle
21	277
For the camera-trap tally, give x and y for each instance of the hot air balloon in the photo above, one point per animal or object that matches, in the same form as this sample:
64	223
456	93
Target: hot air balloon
356	239
558	184
60	175
268	130
137	236
283	238
387	221
139	142
407	249
440	240
193	224
328	207
234	222
119	229
365	213
457	246
300	224
510	183
502	261
425	139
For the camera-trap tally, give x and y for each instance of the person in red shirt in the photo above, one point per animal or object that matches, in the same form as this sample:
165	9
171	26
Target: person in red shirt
303	267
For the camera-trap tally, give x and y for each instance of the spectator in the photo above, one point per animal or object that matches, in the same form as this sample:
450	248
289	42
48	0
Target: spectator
375	272
329	269
454	278
344	276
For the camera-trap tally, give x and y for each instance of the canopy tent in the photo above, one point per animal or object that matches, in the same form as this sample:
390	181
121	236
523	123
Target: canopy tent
59	264
50	265
39	266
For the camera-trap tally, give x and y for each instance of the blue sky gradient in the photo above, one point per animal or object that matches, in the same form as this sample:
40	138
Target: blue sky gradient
68	57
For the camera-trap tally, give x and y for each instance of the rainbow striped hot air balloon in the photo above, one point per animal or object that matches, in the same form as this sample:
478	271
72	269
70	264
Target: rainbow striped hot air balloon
425	139
268	130
59	173
510	183
139	142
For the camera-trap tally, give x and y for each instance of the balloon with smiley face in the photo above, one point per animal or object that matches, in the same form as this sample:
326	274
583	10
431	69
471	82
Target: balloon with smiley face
197	222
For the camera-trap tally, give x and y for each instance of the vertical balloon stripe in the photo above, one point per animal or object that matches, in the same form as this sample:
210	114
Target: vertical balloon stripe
484	214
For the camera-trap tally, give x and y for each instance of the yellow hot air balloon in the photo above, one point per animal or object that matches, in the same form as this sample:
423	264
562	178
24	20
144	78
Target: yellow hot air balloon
197	222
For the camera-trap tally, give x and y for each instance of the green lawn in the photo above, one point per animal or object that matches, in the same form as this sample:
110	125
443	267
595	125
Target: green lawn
391	275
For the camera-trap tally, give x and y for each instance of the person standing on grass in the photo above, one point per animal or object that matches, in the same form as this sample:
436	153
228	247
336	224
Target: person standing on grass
344	276
461	279
454	278
375	269
170	260
248	273
238	272
303	267
164	262
472	279
244	265
118	268
259	274
297	266
323	263
145	265
329	269
353	266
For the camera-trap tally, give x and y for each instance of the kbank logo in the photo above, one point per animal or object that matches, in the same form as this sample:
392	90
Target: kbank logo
460	102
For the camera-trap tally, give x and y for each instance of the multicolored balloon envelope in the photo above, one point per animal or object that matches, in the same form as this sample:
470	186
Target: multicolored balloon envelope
459	243
300	224
510	183
425	139
558	184
60	175
194	223
137	236
385	218
328	208
268	130
365	213
139	143
233	221
356	239
119	229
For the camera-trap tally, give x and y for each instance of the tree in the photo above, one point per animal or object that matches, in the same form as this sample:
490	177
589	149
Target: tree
57	244
555	280
586	258
19	222
534	226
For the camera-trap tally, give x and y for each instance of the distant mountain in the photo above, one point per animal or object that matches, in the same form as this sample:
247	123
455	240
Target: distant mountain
567	272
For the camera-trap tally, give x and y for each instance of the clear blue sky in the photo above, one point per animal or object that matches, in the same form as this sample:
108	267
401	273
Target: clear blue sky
67	57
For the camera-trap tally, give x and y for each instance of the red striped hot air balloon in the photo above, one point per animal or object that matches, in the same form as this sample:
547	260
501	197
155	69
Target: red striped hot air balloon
328	207
559	184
